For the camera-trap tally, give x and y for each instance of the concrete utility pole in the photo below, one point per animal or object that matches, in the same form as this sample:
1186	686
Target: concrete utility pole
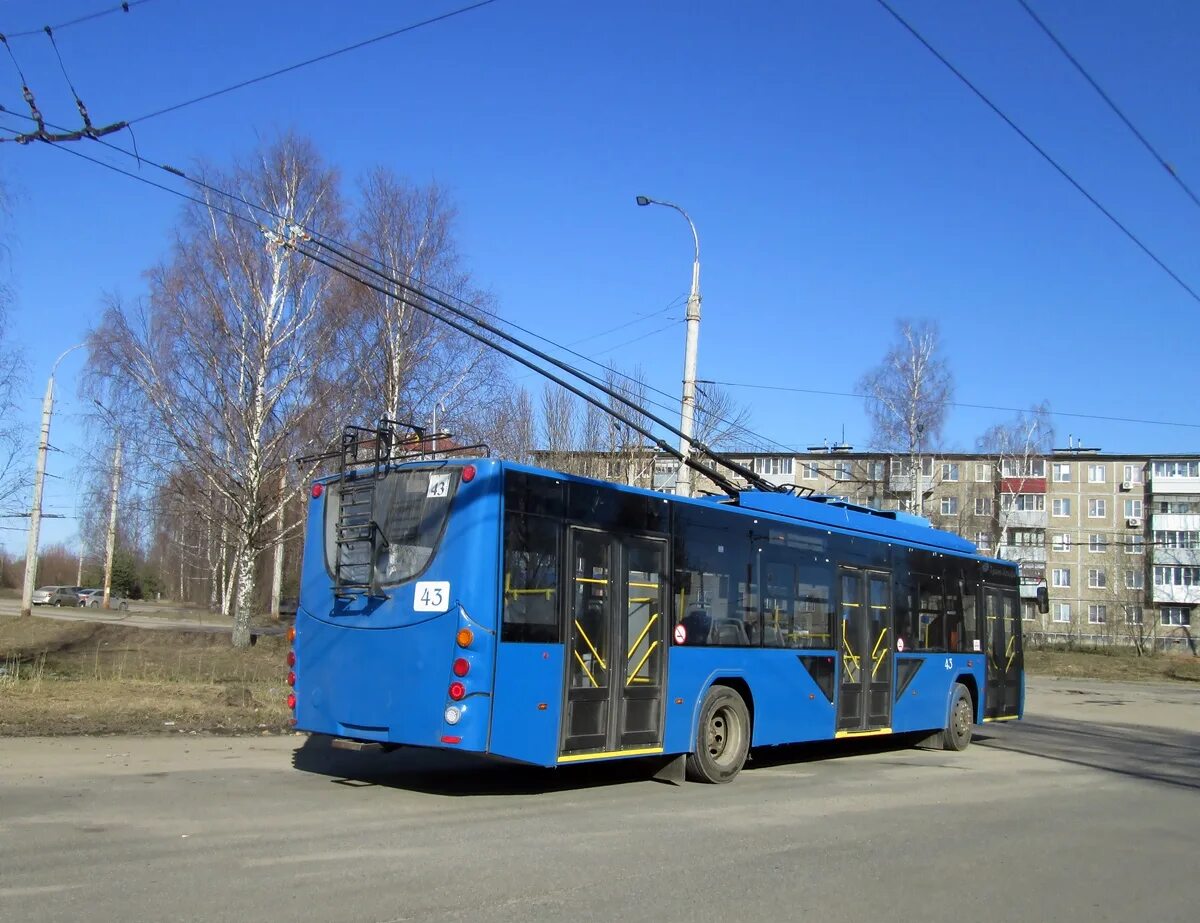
39	477
111	542
687	419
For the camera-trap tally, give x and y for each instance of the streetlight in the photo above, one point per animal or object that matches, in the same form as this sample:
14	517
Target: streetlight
39	477
687	419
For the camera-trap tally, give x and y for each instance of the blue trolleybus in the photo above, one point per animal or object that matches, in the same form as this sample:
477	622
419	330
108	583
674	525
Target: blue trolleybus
518	613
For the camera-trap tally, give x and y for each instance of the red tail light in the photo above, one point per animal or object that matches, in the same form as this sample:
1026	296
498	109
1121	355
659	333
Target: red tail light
457	691
291	679
317	490
468	474
291	700
291	658
451	739
461	667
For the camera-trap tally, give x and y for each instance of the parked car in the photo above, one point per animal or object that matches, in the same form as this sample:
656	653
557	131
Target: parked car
94	599
56	596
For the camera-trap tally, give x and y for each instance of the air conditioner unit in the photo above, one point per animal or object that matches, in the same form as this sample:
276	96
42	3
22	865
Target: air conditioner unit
1127	485
1133	522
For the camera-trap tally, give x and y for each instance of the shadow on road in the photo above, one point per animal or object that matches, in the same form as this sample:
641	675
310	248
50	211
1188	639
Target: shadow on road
444	772
1153	754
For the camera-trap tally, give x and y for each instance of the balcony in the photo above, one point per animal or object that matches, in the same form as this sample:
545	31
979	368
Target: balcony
1186	556
1175	522
1177	595
1023	519
1172	485
1025	554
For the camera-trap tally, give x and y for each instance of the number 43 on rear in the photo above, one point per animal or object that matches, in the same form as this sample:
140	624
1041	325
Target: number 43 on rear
431	596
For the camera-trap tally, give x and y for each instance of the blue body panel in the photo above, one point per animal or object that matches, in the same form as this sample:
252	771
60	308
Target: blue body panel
527	712
924	705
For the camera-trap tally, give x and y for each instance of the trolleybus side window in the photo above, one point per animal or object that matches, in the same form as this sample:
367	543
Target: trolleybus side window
530	579
715	579
929	629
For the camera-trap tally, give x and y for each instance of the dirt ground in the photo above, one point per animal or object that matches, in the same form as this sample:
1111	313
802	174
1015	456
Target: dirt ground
88	678
61	678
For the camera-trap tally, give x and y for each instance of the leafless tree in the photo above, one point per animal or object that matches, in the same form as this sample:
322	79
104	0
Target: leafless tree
1016	451
13	472
231	351
722	422
411	366
908	396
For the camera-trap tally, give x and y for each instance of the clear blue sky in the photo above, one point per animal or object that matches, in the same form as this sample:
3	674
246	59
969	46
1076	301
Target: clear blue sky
839	177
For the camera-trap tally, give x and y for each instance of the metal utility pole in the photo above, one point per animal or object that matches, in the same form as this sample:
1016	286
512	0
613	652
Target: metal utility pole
111	542
687	419
39	477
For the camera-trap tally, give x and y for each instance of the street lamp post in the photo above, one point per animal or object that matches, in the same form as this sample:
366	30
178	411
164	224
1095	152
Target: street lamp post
39	477
687	419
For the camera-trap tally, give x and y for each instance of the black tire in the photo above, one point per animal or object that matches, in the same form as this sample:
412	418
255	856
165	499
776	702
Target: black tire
123	607
722	737
957	735
58	603
94	605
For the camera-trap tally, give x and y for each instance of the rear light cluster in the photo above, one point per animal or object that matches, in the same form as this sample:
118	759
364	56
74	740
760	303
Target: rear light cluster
460	668
291	662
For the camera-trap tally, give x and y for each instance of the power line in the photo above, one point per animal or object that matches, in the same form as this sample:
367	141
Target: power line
1112	105
121	8
323	57
1053	413
1045	156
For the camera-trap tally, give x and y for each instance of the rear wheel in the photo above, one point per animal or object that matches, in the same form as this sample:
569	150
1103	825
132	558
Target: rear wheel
722	738
957	735
58	603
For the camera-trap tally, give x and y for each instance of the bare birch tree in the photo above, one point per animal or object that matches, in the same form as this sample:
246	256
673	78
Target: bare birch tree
231	349
908	396
1016	451
411	366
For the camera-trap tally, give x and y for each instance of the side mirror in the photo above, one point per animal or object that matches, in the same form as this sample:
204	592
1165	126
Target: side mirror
1043	600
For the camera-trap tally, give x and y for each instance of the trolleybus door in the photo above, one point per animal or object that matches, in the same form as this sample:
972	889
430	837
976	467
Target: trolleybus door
865	651
616	634
1005	659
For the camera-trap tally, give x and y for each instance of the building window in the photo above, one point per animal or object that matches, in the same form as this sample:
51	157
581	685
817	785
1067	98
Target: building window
1182	505
1097	543
1062	541
950	471
1023	468
1132	474
1062	612
1097	614
1024	503
1133	509
1135	579
1135	544
1097	578
875	470
841	471
983	541
809	471
773	465
1061	577
1176	575
983	473
1061	507
1177	469
1176	615
983	506
1096	473
1028	538
1062	472
1133	615
1097	508
949	506
1177	539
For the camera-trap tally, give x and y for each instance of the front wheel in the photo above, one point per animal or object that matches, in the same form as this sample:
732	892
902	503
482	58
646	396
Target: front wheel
957	735
722	738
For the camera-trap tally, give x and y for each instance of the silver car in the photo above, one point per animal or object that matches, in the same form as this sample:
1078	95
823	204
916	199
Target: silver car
94	599
56	596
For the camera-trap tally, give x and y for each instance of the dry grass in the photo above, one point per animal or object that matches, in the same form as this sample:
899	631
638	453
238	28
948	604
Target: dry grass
87	678
1110	664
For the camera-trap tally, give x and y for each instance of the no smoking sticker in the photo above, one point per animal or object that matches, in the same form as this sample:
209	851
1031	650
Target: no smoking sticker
680	634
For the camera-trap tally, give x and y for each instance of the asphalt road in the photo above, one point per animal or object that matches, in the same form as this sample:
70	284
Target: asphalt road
1088	811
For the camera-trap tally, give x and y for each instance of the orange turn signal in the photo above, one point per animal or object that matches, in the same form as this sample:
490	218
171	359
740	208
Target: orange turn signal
464	637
